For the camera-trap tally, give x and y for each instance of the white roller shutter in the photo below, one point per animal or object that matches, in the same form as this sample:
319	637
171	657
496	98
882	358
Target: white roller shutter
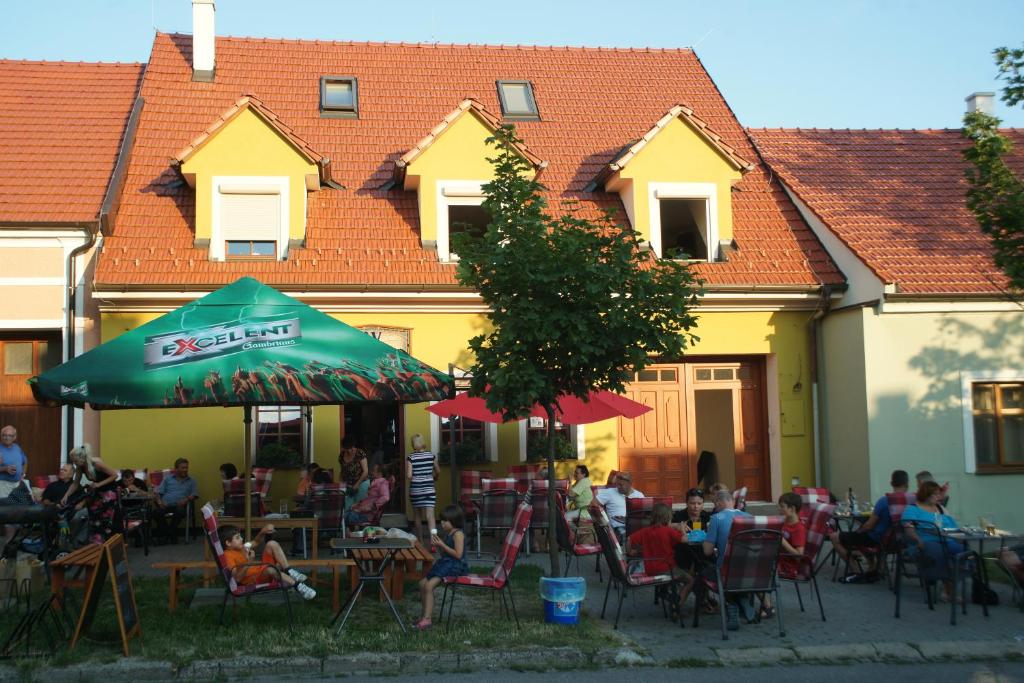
251	217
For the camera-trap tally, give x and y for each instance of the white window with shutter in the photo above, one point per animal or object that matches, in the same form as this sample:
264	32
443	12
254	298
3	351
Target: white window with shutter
250	218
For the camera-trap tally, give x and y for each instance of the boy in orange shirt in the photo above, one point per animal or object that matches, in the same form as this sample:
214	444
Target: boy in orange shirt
240	557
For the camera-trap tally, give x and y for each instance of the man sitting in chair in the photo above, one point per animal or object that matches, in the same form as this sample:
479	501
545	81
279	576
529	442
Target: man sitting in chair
614	501
718	539
172	498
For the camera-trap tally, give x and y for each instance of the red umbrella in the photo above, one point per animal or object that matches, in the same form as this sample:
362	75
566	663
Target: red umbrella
569	409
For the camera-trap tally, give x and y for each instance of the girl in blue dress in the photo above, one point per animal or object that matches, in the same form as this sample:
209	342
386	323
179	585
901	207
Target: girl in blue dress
452	560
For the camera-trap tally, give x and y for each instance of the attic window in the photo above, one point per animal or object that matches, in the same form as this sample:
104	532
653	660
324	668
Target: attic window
517	102
339	97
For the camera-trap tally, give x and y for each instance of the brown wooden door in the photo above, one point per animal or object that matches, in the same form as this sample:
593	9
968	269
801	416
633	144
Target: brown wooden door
652	447
39	426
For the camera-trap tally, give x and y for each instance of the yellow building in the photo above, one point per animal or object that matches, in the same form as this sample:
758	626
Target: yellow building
337	172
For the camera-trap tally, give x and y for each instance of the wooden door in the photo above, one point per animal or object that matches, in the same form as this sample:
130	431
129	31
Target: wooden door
39	427
652	447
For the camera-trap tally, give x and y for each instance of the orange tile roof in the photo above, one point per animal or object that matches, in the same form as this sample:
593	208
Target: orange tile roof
61	125
593	102
896	199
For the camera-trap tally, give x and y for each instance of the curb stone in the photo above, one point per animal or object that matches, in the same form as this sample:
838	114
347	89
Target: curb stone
623	656
971	649
756	655
897	652
837	653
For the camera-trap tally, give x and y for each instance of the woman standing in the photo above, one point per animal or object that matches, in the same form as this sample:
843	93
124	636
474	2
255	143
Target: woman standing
420	471
354	471
102	500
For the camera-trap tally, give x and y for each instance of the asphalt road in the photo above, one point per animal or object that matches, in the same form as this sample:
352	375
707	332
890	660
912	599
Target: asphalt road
1000	672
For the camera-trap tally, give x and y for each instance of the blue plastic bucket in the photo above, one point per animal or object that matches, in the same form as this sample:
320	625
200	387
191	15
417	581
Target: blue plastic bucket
562	598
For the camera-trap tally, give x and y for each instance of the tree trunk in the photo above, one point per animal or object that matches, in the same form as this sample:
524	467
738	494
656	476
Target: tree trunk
552	507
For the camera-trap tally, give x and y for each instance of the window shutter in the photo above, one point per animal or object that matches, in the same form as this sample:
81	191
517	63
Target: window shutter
255	217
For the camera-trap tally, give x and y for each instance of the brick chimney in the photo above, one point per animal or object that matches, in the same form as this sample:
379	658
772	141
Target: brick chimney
203	61
980	101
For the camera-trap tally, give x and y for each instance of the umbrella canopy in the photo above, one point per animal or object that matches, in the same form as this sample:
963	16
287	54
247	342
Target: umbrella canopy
600	405
244	345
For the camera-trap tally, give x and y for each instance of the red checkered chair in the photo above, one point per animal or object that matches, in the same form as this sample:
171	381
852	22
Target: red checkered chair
893	541
471	489
524	474
638	511
810	494
262	476
328	506
233	589
43	480
234	499
498	579
739	498
567	534
819	519
539	496
749	566
157	476
618	569
497	506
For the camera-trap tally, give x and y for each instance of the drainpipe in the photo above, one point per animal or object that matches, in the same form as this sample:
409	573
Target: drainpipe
71	272
818	383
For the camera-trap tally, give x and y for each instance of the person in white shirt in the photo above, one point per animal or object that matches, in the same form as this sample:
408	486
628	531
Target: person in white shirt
614	500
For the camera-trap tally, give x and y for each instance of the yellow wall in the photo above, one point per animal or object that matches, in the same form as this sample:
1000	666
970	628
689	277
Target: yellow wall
210	436
460	153
248	147
678	155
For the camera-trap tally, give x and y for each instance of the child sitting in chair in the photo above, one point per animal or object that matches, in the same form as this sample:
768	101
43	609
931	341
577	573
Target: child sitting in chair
240	557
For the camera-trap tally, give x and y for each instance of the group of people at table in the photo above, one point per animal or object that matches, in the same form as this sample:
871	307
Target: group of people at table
668	545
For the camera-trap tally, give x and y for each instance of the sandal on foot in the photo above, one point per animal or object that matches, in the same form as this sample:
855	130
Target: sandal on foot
423	624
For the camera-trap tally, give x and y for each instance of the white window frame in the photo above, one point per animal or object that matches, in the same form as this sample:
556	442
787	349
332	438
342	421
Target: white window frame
967	379
278	185
576	433
454	193
490	438
254	430
706	191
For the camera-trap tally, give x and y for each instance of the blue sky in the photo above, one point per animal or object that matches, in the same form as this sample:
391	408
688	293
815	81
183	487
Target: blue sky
824	63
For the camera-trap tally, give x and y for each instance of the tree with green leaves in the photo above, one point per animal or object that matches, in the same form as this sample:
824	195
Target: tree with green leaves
995	194
575	304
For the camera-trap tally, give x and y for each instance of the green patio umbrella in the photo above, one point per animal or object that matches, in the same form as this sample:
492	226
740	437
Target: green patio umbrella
243	345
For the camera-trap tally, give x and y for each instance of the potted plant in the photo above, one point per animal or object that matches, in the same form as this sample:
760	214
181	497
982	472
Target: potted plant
278	456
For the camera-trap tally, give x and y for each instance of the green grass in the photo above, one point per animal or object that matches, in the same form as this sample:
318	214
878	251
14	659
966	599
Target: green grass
188	635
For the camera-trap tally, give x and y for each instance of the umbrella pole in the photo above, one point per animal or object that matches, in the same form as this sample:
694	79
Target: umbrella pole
452	465
246	473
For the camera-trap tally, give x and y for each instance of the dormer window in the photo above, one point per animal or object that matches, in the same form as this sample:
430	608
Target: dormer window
517	101
250	218
339	97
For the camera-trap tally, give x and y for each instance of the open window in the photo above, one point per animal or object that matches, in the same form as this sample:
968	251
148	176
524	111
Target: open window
460	210
683	219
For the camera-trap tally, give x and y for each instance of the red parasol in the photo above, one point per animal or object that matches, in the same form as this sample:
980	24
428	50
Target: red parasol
602	405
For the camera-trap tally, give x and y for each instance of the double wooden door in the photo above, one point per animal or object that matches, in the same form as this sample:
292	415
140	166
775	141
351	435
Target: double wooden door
39	426
660	448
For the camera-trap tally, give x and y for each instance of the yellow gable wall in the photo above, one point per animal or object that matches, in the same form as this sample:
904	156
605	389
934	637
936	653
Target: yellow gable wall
247	146
210	436
460	153
678	155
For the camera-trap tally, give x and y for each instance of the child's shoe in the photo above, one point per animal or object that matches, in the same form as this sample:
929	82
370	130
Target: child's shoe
297	575
305	591
423	624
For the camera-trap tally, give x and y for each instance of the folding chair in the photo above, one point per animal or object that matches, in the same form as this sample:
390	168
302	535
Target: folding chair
498	579
638	511
739	498
470	491
568	536
233	589
234	499
819	517
262	476
748	567
539	496
811	495
497	506
618	569
523	475
328	504
954	566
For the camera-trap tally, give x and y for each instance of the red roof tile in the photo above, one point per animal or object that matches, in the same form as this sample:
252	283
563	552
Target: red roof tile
896	198
61	125
593	101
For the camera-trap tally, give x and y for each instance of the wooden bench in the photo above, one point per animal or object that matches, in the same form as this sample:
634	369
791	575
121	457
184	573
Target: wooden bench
405	567
210	569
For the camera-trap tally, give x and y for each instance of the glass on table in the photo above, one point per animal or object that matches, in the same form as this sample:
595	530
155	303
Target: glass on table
283	507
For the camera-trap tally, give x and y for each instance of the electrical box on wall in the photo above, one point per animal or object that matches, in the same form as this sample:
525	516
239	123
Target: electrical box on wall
792	417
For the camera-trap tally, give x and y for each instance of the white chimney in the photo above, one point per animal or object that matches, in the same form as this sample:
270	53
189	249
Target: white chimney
203	61
981	102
